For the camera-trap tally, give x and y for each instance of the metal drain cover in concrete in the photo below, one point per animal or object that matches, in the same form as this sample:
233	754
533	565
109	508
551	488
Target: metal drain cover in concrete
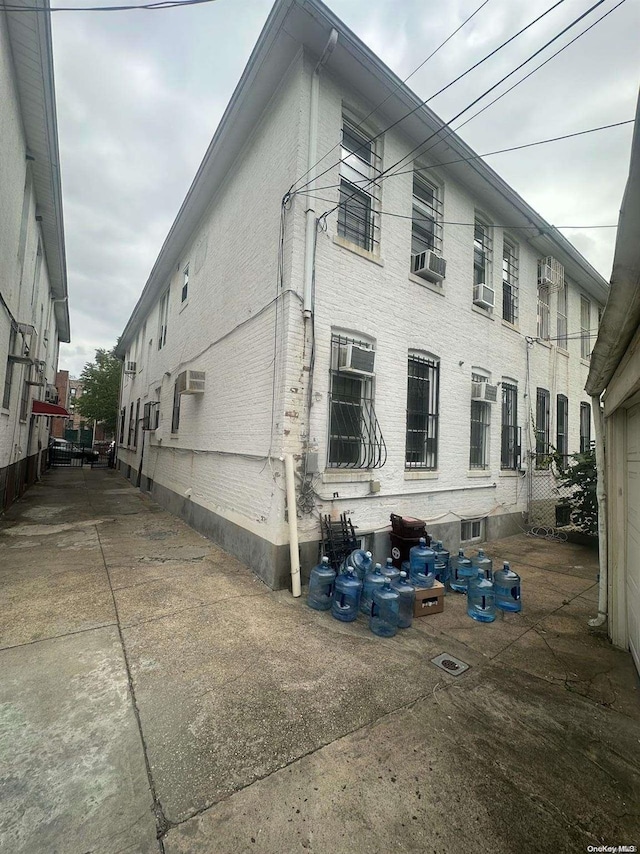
450	664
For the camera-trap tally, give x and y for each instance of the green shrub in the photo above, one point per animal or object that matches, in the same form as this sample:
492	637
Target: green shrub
581	477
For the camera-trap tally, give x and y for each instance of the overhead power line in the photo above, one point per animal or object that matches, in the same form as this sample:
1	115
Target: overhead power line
395	89
149	7
386	171
444	88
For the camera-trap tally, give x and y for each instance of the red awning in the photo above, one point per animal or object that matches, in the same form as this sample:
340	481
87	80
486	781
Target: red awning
40	407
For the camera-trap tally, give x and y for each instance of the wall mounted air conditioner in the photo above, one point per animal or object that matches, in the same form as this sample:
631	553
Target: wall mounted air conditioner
191	382
130	368
429	265
483	296
485	392
151	415
357	360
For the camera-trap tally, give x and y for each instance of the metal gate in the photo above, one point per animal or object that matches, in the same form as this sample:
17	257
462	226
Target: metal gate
66	456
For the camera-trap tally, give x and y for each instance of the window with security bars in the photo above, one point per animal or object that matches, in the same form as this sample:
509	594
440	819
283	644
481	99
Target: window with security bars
422	412
510	447
562	430
355	438
543	312
8	377
542	428
358	212
585	427
509	282
561	334
481	253
123	418
137	424
175	411
426	217
131	427
480	422
585	332
25	396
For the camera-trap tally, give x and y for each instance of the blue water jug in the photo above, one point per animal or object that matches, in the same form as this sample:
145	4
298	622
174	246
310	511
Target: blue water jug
442	554
407	593
506	585
481	600
461	572
360	561
483	564
422	564
321	581
385	611
390	571
372	580
346	596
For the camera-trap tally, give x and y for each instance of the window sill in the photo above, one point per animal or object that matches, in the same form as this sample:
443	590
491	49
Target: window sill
511	326
183	306
362	253
563	352
417	474
585	362
4	411
478	473
426	284
544	343
510	473
346	476
482	311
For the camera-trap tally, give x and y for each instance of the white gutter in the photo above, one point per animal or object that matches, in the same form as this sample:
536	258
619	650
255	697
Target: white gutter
601	492
312	156
292	513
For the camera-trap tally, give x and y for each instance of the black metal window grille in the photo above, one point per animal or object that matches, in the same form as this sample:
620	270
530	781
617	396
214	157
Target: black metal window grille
175	412
543	312
509	282
585	321
355	438
562	319
358	214
185	283
481	253
426	222
480	421
123	418
585	427
136	424
8	377
562	430
510	445
542	428
24	398
130	435
422	413
163	320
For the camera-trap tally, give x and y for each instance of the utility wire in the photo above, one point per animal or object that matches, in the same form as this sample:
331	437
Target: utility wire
386	171
498	151
444	88
394	90
162	4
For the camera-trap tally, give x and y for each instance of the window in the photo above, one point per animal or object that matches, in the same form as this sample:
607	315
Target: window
24	399
130	436
123	416
562	319
471	529
137	424
422	412
543	312
357	214
175	413
480	421
510	444
509	282
8	377
585	427
36	274
185	283
562	430
355	439
426	221
585	332
542	428
163	319
481	254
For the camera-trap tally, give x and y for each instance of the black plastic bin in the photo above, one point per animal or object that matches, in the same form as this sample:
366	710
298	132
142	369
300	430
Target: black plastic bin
400	547
408	527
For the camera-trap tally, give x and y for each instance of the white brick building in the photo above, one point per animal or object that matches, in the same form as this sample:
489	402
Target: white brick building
34	315
247	290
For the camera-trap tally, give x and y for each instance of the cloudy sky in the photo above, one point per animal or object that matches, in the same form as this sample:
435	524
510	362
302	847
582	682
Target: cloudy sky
139	95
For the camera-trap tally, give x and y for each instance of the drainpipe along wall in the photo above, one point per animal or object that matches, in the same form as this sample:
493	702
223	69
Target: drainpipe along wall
601	493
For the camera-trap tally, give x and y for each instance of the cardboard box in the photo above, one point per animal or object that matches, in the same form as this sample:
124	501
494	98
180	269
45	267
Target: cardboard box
429	600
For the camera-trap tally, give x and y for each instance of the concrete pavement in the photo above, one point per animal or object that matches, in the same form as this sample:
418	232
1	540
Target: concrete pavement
156	696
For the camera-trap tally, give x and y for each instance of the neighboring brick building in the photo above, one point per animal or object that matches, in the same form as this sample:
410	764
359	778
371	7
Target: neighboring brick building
58	425
397	385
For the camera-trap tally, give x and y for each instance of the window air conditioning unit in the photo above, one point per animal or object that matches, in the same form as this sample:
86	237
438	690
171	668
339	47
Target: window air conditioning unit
485	392
429	265
357	360
550	274
130	368
483	296
191	382
151	415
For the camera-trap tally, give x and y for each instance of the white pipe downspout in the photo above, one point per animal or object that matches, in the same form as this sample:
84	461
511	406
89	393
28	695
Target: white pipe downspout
312	156
293	524
601	493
